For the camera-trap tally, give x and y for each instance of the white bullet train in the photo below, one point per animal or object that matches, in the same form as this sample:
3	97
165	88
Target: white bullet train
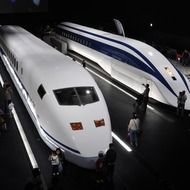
127	60
62	98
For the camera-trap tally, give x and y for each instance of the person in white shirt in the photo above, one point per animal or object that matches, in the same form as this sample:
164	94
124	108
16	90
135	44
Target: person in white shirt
54	163
133	128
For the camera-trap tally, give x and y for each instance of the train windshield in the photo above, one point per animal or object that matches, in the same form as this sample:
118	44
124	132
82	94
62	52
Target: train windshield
76	96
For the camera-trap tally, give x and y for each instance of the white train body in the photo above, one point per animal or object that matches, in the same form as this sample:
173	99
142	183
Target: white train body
129	61
62	98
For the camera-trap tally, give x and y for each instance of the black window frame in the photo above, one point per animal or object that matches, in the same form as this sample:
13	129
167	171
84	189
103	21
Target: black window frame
41	91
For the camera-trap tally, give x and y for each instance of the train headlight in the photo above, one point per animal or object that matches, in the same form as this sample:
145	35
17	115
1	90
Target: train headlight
76	126
99	123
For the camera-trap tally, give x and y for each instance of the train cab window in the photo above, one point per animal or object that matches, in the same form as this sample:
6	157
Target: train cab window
41	91
67	96
87	95
76	96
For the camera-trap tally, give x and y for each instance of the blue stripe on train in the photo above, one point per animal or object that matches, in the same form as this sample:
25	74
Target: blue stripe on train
124	56
69	148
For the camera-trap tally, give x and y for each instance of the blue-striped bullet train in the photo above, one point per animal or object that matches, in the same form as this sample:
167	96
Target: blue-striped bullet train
127	60
62	98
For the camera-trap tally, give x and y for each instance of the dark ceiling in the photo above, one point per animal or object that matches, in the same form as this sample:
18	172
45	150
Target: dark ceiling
172	20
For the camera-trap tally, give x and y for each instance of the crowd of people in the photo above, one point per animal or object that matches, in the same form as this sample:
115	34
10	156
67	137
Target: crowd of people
140	106
105	164
7	106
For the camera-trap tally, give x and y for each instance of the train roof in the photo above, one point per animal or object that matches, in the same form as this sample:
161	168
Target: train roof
139	48
43	61
147	54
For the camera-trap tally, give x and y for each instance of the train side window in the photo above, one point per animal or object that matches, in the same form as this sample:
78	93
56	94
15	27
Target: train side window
17	65
21	71
174	78
41	91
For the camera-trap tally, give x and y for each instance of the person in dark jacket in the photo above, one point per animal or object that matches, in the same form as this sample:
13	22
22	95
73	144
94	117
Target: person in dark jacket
8	94
145	97
84	63
100	168
181	99
110	159
35	183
